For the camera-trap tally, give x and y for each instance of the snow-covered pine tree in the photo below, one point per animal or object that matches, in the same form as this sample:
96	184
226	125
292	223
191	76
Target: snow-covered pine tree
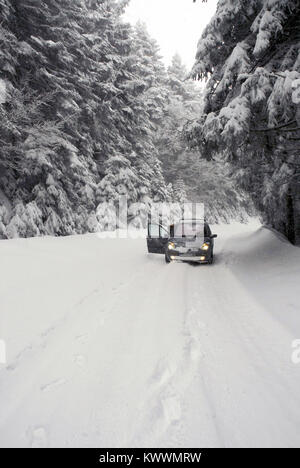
134	169
179	191
183	103
74	97
147	103
199	181
11	107
250	54
48	117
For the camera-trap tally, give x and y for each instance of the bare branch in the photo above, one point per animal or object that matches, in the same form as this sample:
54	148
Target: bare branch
278	127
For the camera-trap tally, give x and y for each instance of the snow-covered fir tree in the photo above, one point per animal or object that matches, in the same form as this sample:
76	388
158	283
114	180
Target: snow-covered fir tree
135	171
193	178
250	54
183	102
75	105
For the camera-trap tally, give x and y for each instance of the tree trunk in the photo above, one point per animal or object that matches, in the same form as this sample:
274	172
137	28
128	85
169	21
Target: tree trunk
296	198
290	225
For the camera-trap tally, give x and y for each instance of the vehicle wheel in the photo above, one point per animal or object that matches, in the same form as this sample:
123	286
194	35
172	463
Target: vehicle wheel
211	260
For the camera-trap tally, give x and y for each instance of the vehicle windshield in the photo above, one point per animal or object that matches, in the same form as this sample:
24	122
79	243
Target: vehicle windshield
189	229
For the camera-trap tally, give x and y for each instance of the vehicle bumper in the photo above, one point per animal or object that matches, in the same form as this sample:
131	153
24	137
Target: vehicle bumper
190	258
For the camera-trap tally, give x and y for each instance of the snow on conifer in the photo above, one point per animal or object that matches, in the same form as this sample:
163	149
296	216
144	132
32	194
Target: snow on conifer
249	52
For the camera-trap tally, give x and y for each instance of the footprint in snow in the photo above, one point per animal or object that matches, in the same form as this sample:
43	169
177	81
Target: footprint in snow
101	322
195	351
171	409
82	338
11	367
47	332
53	385
201	325
38	437
80	360
116	288
163	373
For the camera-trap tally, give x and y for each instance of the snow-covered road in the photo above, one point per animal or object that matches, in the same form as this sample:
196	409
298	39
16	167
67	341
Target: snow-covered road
110	347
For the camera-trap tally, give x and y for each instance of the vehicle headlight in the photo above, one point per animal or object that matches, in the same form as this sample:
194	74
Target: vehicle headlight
205	246
171	246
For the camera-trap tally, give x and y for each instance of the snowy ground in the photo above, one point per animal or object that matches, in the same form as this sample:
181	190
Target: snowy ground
110	347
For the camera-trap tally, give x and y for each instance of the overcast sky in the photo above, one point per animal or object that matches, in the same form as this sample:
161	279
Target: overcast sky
175	24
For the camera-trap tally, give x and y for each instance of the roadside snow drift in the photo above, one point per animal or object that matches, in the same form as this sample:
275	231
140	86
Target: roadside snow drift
108	346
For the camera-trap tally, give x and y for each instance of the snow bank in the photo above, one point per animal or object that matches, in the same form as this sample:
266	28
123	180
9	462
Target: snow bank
269	267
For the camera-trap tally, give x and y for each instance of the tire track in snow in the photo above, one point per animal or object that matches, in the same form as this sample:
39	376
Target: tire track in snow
163	407
240	365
